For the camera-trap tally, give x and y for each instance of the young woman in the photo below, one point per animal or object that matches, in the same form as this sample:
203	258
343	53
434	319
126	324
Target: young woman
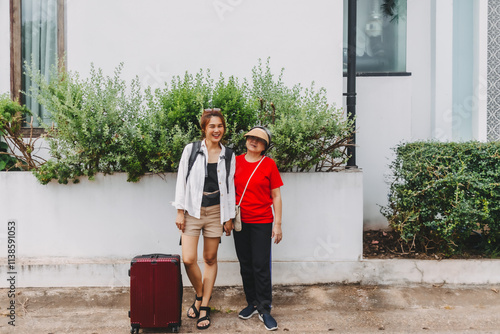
258	180
204	202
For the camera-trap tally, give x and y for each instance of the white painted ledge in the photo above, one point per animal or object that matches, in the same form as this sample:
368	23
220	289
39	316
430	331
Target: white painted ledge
64	272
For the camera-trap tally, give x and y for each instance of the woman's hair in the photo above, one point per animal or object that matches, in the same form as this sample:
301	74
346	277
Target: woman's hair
207	115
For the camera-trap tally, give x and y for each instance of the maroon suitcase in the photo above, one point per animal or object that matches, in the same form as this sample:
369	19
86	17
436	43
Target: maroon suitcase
155	292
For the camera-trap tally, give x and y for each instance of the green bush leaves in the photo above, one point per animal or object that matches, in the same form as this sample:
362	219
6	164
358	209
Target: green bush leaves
442	193
16	153
101	125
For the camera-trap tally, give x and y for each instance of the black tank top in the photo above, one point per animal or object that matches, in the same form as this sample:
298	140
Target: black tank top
211	193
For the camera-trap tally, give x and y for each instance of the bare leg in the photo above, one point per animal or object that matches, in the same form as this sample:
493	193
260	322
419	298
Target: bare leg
190	259
210	248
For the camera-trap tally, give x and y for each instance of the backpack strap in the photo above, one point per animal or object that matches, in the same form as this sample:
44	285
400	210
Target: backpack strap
227	157
194	154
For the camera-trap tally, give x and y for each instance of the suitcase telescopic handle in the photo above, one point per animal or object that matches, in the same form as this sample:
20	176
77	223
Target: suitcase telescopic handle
154	257
157	255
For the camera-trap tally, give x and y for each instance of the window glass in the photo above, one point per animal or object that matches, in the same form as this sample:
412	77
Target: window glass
381	36
38	45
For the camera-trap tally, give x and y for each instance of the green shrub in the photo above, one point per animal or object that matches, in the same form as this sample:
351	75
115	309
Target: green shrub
104	126
7	162
16	153
154	145
238	108
90	117
308	132
444	192
184	99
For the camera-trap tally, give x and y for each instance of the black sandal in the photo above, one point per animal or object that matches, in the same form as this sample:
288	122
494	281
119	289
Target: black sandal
195	310
206	317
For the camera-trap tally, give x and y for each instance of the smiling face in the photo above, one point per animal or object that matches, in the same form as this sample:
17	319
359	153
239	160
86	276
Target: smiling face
255	144
214	130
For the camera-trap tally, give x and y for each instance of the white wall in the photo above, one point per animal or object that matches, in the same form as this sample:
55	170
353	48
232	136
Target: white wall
479	121
418	63
442	70
430	60
102	224
157	39
419	107
112	218
4	47
394	109
383	120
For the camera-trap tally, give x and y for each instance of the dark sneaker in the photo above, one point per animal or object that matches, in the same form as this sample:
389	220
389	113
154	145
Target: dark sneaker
248	312
268	321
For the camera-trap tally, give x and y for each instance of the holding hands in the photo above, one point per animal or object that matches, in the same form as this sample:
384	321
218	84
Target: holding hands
228	226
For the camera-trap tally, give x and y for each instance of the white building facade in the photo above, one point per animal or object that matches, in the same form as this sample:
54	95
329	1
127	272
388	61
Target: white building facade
445	86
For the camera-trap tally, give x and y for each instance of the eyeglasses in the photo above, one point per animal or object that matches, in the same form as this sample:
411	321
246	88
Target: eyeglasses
212	110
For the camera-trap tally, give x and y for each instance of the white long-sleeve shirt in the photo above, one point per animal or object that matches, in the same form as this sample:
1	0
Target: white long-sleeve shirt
188	195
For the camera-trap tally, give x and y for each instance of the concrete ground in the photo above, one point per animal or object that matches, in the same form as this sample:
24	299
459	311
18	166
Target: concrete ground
298	309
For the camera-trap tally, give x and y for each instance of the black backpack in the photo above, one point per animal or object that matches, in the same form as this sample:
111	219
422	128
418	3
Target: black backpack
197	149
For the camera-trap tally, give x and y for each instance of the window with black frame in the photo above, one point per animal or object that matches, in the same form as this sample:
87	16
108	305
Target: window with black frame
380	36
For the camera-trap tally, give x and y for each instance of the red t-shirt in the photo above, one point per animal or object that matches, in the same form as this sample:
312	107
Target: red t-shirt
257	201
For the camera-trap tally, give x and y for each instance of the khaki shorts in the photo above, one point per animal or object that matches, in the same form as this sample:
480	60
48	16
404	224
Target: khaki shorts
209	223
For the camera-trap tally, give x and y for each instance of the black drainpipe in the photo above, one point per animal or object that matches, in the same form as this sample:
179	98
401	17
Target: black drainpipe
351	77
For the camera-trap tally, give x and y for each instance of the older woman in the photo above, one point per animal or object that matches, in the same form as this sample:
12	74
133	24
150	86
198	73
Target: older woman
204	203
257	181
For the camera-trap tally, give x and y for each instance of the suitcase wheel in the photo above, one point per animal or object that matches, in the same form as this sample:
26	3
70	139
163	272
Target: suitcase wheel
175	329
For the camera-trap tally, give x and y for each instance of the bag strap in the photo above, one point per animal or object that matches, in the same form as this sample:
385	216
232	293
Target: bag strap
241	198
228	156
194	154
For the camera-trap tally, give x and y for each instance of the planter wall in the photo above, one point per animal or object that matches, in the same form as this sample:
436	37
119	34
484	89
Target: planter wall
86	234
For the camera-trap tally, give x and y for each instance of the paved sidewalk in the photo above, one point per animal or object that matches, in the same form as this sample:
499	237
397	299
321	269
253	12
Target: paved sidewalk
298	309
